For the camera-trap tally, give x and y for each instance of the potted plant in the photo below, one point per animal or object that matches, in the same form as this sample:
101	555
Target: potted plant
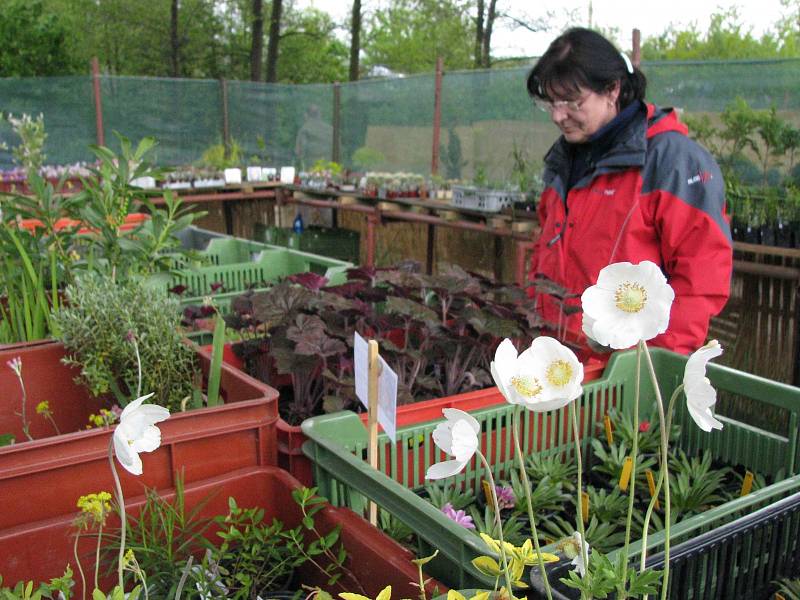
438	333
120	339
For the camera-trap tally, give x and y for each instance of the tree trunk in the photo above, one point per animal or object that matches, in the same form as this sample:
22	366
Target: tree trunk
274	39
479	36
487	34
174	42
257	42
355	39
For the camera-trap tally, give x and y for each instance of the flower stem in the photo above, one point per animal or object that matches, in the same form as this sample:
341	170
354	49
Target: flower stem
123	519
78	562
660	482
664	470
579	462
623	564
138	367
527	486
26	426
497	521
97	556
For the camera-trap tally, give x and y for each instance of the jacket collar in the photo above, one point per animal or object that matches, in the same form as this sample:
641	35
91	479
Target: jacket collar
631	146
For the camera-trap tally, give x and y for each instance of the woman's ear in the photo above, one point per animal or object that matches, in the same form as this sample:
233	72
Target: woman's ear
613	93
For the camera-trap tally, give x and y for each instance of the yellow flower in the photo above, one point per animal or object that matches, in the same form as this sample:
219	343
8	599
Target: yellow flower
97	506
43	408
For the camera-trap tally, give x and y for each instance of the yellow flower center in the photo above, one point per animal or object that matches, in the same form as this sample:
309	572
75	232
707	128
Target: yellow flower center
630	297
559	372
526	386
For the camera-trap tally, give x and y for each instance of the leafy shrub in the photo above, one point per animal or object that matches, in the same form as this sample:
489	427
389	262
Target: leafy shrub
96	326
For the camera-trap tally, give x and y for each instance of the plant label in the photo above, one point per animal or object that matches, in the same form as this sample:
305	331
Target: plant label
387	386
387	400
361	369
625	476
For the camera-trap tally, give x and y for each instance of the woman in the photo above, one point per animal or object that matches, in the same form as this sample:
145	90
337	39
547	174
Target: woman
624	183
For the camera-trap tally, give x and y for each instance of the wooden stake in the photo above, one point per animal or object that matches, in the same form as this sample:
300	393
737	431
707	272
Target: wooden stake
372	418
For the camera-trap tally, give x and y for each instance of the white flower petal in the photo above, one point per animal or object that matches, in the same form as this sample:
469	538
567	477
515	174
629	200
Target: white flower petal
444	469
465	441
700	394
137	432
133	405
454	414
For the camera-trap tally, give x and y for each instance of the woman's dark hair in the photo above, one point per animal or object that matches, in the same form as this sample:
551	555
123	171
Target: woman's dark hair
582	58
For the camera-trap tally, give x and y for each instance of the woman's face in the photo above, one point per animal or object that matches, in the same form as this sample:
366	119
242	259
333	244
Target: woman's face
580	116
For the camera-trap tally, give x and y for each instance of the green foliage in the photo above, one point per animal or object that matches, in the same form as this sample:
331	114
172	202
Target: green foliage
163	535
613	457
601	536
727	38
106	201
254	557
309	49
95	324
29	153
452	157
694	484
559	471
546	495
34	41
440	493
368	159
410	34
789	588
485	523
216	157
395	528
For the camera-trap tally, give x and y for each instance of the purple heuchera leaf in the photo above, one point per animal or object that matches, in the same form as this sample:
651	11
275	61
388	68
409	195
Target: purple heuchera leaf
459	516
178	289
505	496
217	285
310	281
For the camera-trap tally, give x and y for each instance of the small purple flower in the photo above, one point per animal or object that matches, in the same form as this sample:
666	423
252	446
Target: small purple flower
505	496
130	337
459	516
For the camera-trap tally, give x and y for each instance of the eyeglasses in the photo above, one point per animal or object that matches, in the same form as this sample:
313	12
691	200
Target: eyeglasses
571	106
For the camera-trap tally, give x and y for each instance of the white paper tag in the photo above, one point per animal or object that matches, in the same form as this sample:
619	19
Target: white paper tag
361	368
387	400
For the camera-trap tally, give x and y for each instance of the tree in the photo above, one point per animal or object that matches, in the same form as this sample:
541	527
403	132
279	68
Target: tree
355	39
257	42
274	41
310	52
725	39
409	35
33	41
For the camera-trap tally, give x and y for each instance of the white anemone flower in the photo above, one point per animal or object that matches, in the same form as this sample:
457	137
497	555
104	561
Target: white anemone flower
137	432
457	436
582	549
700	394
629	303
546	376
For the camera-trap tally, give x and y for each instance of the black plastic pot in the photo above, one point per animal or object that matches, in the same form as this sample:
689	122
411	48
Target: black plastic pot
767	235
783	235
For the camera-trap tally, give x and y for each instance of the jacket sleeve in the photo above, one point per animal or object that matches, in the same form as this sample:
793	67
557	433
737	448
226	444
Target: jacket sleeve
696	247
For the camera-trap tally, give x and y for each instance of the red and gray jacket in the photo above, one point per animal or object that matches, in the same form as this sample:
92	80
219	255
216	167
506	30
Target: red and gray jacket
655	195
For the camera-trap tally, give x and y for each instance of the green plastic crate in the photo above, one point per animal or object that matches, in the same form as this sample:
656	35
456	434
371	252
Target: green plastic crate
269	264
337	447
339	243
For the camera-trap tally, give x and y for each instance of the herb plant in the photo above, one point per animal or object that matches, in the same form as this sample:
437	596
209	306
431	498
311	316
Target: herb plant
96	327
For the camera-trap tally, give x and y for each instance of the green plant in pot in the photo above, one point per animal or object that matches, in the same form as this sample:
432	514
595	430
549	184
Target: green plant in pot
124	337
437	332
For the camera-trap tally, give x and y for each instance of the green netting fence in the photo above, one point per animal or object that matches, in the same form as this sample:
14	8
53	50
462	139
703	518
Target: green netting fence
485	115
